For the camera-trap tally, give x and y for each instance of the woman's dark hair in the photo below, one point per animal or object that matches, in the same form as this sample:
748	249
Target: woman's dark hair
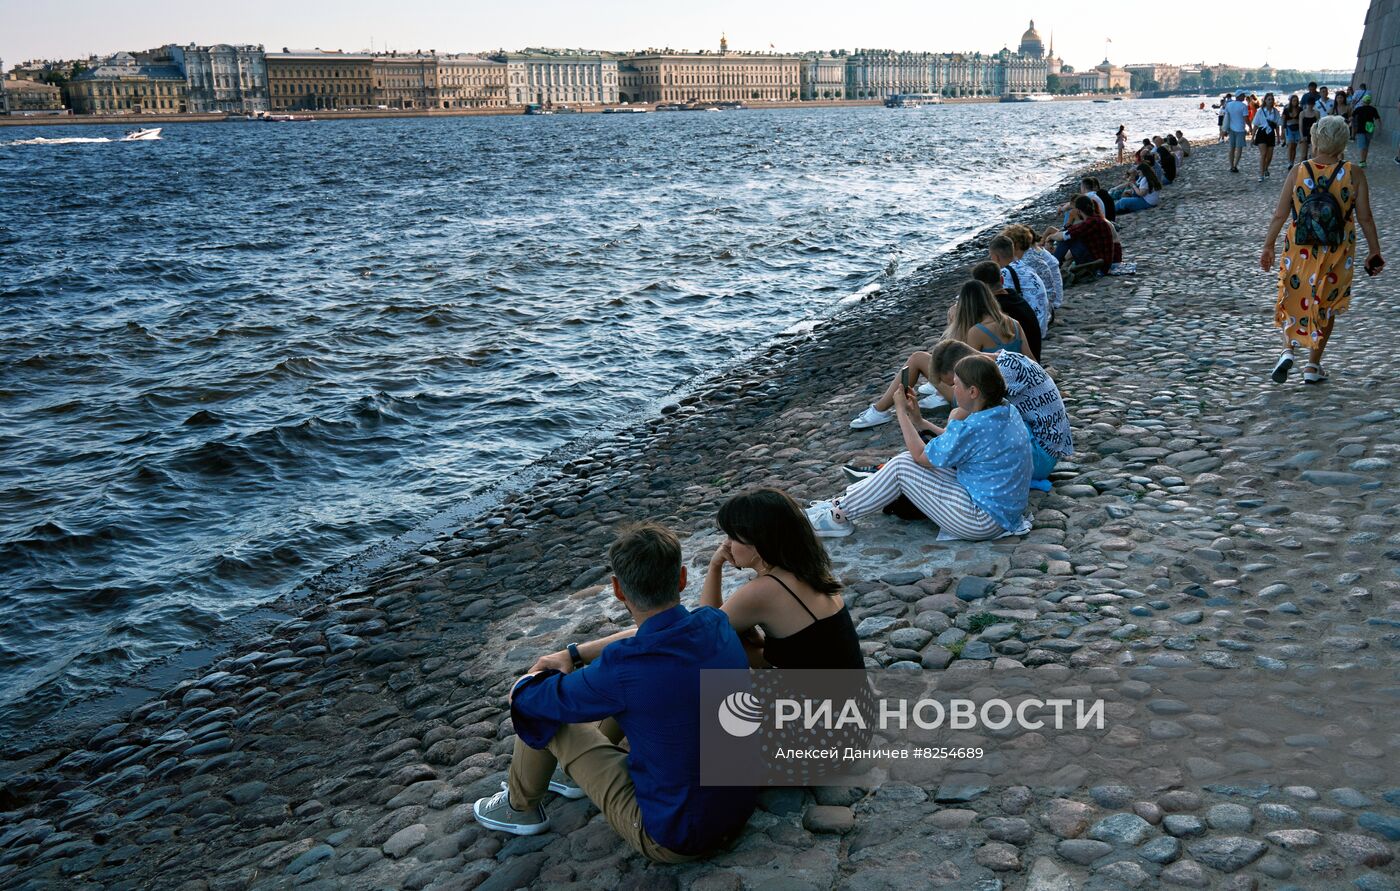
1153	183
1171	140
770	522
982	372
1085	205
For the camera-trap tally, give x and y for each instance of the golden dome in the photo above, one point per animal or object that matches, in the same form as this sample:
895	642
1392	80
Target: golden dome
1031	34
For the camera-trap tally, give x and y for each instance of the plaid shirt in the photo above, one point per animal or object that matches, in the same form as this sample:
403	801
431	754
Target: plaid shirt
1096	234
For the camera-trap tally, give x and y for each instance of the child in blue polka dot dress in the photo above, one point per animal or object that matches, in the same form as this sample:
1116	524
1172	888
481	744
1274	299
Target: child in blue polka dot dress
972	479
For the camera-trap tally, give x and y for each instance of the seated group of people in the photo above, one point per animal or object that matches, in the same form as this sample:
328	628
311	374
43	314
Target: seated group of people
1156	165
618	719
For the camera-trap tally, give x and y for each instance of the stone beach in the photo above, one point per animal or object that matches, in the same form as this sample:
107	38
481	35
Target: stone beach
1209	517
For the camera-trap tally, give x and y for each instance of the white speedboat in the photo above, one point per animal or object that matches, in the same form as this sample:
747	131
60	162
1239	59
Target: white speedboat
144	134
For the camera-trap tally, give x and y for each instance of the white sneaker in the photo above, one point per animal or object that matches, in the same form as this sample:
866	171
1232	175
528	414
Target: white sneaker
872	417
822	516
926	389
934	401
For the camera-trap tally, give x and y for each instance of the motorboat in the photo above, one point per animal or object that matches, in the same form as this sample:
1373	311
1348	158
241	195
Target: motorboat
142	134
625	109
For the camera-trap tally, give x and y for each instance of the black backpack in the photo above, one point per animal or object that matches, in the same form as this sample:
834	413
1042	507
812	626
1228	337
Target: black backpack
1319	221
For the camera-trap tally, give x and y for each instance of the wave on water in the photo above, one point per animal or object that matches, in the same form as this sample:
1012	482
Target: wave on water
66	140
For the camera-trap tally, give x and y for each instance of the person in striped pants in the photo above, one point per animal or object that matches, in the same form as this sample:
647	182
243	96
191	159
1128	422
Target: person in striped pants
972	478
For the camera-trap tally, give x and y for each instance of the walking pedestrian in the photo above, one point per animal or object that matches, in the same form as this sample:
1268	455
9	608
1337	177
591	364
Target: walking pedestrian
1291	133
1267	123
1365	121
1327	198
1121	140
1236	113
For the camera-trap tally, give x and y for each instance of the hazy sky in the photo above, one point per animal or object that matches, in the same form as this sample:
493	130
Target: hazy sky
1248	33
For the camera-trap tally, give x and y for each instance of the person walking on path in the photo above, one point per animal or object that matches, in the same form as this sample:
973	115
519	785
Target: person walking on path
1292	135
1121	140
1267	122
1236	122
1365	121
1315	272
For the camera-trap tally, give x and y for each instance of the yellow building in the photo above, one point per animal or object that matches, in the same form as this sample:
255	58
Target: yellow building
22	97
305	80
404	80
724	76
121	84
471	82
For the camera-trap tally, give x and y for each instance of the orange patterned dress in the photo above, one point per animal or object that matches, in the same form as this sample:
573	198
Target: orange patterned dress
1314	282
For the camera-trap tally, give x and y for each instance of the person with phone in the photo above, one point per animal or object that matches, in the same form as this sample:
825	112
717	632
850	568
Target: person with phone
1326	197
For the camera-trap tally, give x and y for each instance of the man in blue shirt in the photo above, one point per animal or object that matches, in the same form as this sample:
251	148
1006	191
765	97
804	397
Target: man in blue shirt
574	707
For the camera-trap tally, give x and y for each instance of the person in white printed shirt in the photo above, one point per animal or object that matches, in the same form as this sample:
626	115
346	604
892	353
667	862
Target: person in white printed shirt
1017	275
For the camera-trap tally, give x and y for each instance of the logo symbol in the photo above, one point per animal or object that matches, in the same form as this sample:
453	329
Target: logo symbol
740	714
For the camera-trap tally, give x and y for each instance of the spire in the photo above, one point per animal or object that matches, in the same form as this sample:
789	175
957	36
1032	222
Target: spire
723	43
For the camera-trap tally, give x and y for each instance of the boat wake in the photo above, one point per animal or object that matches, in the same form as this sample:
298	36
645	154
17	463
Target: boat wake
66	140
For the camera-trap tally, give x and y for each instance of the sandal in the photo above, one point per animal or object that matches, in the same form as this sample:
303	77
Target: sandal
1314	373
1284	365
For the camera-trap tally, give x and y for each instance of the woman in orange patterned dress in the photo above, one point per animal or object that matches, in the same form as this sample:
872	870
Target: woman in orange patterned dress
1314	280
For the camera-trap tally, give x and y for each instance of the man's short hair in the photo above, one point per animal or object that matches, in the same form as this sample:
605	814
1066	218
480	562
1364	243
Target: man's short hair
1312	85
646	558
946	354
988	273
1086	205
1002	245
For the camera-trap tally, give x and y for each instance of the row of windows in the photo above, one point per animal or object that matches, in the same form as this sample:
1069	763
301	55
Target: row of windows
303	89
479	79
305	73
108	89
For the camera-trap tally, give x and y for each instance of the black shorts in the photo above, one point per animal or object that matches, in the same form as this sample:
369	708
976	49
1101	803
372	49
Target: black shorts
1307	126
1265	136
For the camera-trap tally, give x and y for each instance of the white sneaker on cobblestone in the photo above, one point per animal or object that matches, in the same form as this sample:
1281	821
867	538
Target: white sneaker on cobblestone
495	812
872	417
822	516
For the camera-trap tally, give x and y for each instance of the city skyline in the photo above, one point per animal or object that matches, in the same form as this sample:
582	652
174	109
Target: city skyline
1195	32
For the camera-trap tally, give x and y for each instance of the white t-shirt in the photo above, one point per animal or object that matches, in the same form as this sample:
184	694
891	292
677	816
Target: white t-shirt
1236	115
1266	118
1094	197
1150	197
1036	398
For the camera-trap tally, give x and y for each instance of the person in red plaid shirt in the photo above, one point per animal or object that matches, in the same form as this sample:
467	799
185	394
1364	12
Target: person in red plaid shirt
1089	239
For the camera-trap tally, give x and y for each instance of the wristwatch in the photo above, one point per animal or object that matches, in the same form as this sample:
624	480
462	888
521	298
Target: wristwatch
574	655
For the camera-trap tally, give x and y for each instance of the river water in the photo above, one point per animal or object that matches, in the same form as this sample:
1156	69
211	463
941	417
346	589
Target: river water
235	356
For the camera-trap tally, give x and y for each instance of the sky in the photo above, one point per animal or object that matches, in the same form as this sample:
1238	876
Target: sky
1248	33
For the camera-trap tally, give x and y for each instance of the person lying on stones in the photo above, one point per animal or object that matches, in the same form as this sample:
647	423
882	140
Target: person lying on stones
1046	267
791	610
972	478
571	713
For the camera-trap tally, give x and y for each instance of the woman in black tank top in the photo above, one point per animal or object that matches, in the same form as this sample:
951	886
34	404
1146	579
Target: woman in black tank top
768	533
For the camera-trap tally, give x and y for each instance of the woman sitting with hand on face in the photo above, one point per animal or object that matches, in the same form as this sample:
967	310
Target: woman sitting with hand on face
793	600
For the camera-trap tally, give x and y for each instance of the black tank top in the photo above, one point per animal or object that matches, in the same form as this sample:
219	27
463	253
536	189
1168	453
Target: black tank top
826	643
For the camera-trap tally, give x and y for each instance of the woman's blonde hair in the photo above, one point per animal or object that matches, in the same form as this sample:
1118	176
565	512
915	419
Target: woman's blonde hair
1330	135
1021	236
975	303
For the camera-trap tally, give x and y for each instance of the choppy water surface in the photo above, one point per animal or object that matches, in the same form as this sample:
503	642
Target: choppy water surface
237	355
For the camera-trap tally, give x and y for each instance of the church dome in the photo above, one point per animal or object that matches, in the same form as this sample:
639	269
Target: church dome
1031	44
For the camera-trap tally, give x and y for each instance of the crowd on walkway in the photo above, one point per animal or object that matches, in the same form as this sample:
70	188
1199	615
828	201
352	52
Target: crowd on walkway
617	719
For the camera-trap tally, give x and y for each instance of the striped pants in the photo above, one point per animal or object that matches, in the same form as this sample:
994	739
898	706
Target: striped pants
934	491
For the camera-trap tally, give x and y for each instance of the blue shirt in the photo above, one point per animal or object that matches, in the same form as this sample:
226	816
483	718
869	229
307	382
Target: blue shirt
991	452
651	684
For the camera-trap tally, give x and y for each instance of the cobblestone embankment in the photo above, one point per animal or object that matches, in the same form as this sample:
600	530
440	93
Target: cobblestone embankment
1209	518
